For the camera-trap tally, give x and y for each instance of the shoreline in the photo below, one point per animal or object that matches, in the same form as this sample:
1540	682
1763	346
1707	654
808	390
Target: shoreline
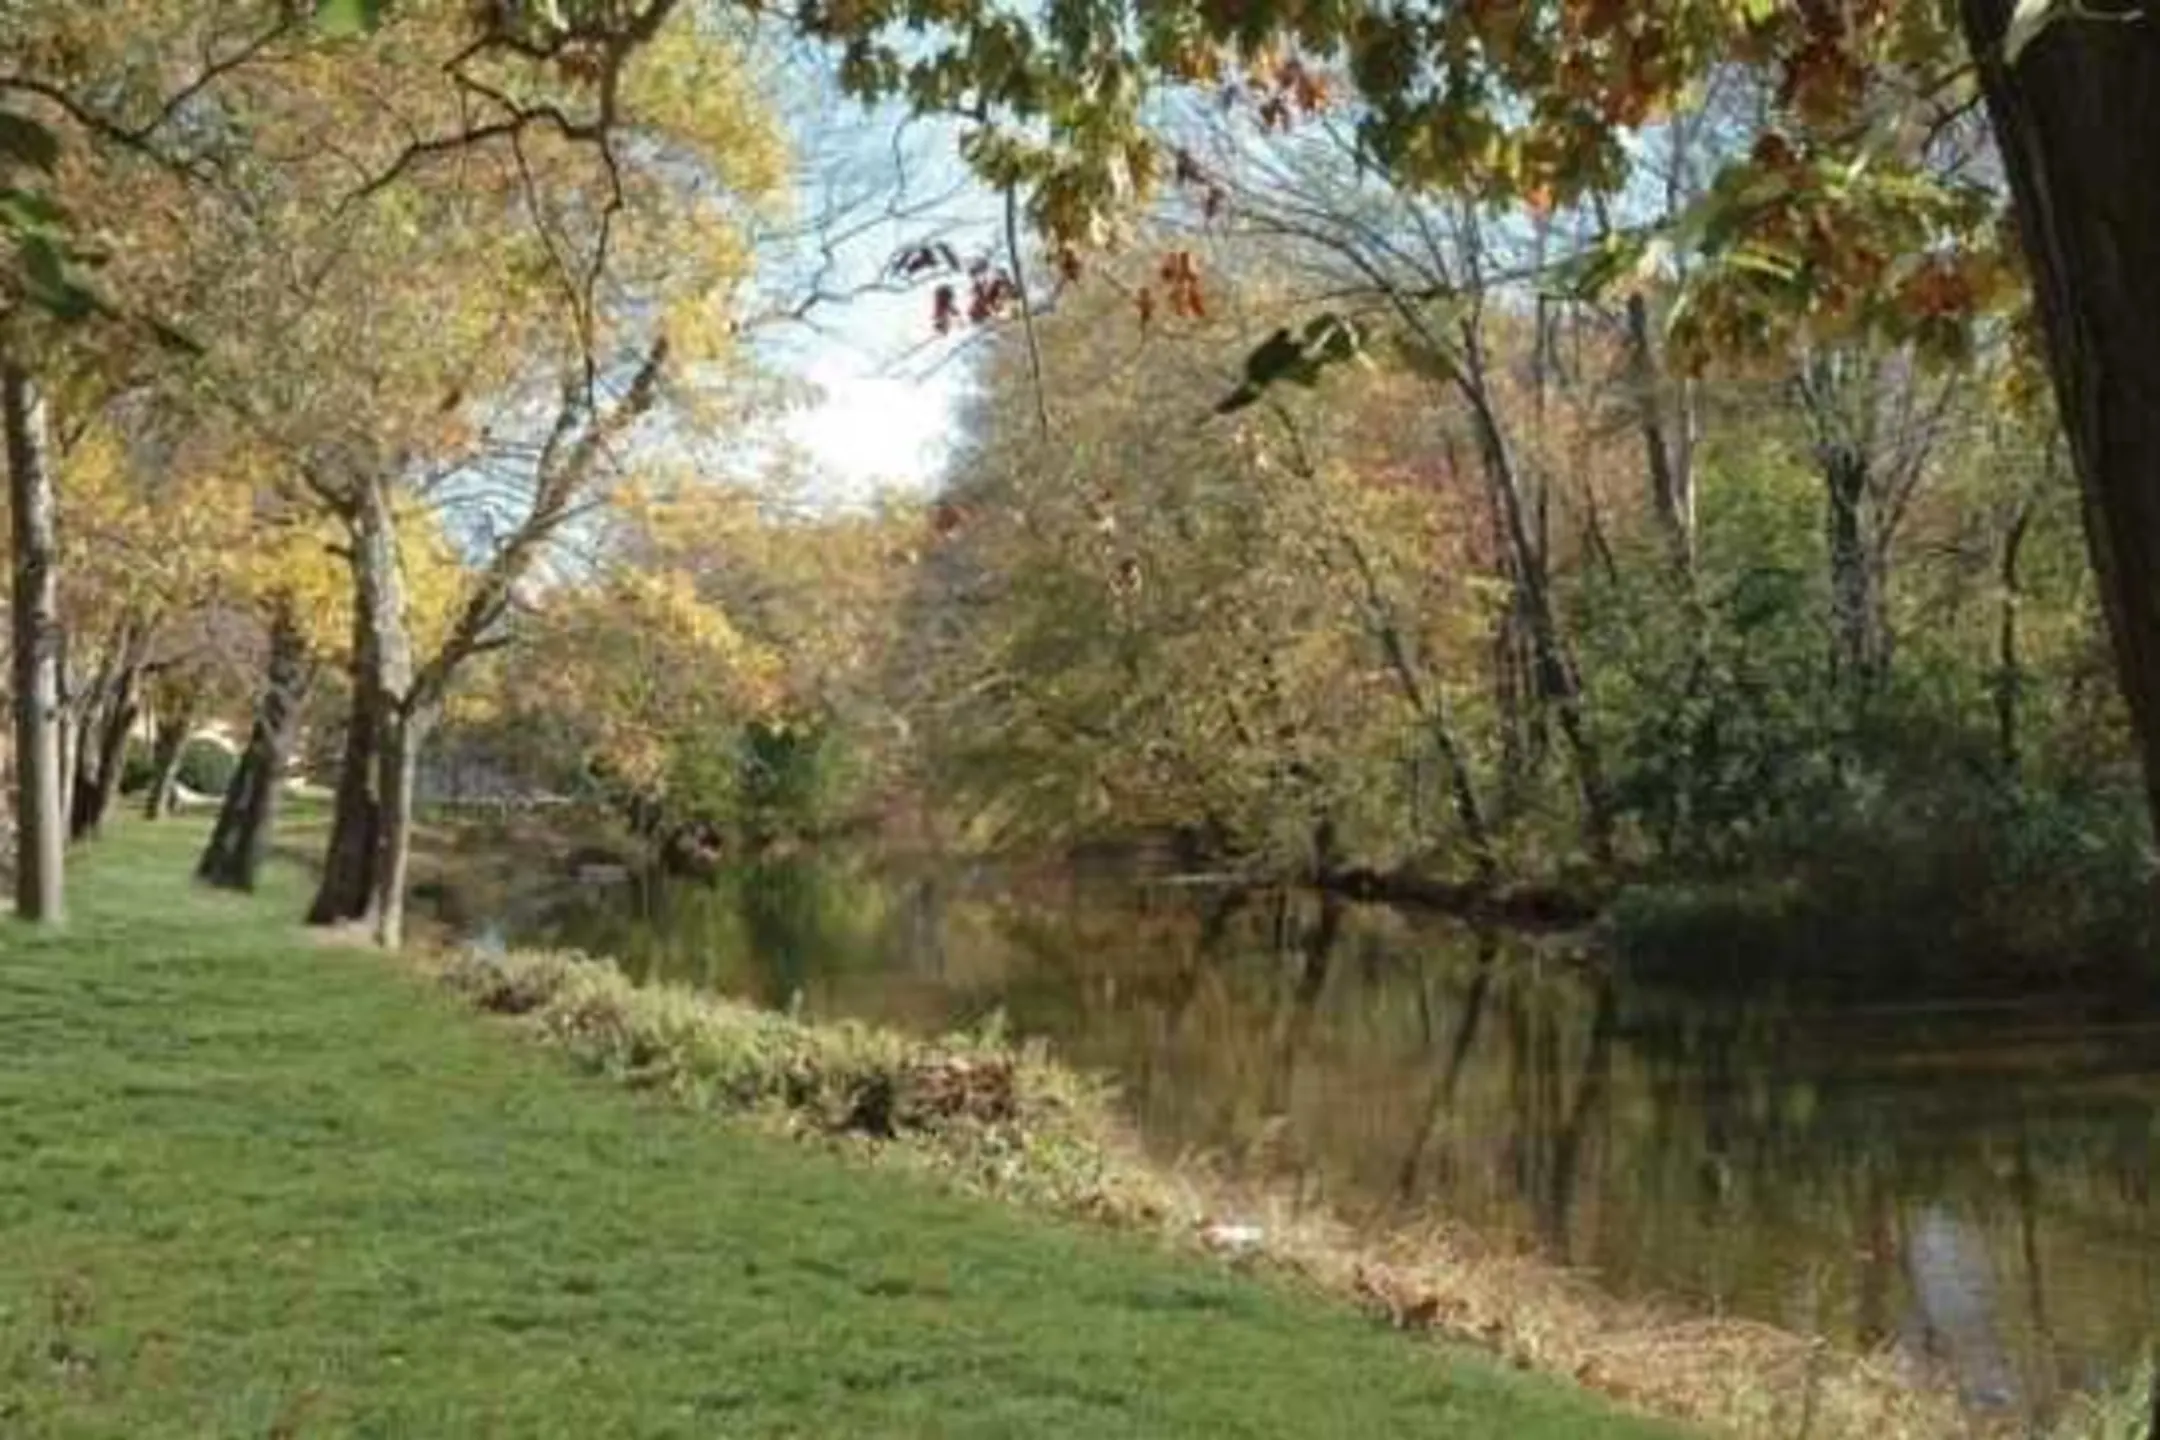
270	1183
1012	1124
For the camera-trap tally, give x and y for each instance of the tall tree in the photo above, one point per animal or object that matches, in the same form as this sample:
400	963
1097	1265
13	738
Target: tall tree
40	814
2077	113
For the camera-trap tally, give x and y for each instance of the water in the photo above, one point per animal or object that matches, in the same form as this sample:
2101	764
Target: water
1968	1183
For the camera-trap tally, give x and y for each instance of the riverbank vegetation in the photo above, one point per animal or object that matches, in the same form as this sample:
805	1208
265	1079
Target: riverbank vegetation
1010	1124
257	1184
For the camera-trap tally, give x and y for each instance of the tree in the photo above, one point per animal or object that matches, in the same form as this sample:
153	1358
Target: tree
40	818
241	834
2080	140
636	681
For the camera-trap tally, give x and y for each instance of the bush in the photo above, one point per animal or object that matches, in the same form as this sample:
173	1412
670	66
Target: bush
207	767
977	1110
135	771
1955	890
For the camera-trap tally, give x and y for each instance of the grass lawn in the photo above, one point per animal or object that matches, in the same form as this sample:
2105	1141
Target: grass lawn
255	1185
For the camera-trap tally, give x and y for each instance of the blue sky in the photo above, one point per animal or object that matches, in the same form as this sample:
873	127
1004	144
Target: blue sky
867	185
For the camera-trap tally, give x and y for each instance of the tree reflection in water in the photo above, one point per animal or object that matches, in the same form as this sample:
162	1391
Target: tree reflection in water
1968	1182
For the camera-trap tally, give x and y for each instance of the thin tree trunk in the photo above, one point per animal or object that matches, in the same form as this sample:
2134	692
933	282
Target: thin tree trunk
1557	678
2009	663
92	703
94	800
1665	455
2077	121
242	835
1432	708
1513	685
99	765
65	707
39	817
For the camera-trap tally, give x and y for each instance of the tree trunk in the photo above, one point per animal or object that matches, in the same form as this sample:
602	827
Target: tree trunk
371	829
1858	627
168	739
242	835
1557	679
84	709
348	876
65	707
94	796
1667	456
399	758
99	765
1432	709
2078	123
2009	663
39	837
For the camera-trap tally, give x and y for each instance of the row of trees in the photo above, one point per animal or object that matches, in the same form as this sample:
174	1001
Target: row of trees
1604	299
340	397
1328	629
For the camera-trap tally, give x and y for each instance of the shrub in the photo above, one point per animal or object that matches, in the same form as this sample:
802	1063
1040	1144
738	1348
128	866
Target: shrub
1952	890
135	771
207	767
992	1116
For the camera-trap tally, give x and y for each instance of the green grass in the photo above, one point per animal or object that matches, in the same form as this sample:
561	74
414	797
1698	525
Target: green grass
253	1185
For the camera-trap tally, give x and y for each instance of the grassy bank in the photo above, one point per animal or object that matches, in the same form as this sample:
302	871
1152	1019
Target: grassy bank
253	1185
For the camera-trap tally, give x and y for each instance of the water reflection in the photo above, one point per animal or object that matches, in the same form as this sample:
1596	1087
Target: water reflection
1971	1184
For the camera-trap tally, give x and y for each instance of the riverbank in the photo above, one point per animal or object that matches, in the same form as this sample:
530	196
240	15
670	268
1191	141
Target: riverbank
257	1184
991	1120
1836	1173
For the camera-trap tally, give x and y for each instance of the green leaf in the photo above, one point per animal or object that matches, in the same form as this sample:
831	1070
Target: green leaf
24	211
46	282
2026	22
24	140
43	265
1588	275
347	19
1779	264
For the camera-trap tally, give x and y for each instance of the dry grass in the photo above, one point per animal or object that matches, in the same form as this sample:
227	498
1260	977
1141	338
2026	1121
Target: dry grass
1007	1121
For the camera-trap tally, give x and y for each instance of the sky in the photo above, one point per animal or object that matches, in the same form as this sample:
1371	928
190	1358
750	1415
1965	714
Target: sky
884	389
876	421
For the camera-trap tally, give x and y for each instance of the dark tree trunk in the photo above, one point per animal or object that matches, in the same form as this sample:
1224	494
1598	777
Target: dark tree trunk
2009	662
2077	120
1858	647
1431	706
348	876
99	765
242	835
1557	679
39	818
